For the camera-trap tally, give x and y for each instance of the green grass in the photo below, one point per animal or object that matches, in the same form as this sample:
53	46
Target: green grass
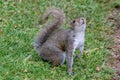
18	59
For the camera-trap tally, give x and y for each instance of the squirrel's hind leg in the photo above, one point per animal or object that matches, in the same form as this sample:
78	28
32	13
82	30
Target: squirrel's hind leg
59	59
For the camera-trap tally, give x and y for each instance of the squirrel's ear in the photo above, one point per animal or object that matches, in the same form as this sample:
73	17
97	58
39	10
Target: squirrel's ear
70	24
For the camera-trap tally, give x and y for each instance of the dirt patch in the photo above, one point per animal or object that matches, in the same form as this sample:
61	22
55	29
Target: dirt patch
114	58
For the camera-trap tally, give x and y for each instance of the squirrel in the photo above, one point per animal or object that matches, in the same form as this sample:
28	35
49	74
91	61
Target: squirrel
58	46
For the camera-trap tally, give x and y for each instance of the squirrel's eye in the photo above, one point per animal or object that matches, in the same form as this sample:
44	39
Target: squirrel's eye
73	21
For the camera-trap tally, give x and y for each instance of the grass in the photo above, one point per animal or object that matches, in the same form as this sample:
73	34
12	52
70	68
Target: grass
18	59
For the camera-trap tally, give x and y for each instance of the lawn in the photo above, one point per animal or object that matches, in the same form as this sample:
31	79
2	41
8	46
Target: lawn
18	59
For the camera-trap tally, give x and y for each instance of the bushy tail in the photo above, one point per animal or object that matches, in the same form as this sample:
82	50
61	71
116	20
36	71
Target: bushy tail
49	28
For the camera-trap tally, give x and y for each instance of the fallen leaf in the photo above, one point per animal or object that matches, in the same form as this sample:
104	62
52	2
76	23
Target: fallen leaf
98	68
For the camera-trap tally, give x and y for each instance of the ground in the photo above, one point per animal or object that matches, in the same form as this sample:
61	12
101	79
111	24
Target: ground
19	60
114	58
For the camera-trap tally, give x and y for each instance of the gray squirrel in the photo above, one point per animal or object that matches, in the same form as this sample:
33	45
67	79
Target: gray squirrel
56	45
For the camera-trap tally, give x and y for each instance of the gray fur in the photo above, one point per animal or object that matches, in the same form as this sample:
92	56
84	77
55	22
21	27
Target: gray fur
56	46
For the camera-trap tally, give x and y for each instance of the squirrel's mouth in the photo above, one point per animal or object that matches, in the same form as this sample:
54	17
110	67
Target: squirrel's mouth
83	21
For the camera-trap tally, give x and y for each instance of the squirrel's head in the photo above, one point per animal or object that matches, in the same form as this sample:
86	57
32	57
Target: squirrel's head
78	24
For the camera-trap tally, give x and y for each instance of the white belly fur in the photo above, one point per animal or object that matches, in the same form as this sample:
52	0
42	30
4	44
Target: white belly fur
79	40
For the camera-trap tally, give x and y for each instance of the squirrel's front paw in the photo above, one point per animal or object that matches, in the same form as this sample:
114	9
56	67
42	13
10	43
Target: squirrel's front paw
78	56
70	72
